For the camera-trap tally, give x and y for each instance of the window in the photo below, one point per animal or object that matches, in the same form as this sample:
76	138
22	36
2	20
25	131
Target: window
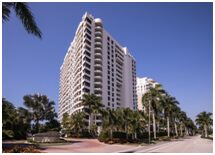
88	20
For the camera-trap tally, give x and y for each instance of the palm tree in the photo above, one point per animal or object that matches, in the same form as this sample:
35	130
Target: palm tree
135	123
77	121
169	104
24	14
182	119
151	100
109	120
175	115
204	120
66	123
127	113
92	104
190	126
40	108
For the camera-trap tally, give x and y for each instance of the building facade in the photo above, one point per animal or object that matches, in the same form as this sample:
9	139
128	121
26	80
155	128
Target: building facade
96	63
143	85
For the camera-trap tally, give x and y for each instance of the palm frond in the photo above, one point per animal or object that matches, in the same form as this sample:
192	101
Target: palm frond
23	12
6	11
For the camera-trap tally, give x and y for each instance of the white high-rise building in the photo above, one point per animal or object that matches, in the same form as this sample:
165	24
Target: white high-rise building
143	85
96	63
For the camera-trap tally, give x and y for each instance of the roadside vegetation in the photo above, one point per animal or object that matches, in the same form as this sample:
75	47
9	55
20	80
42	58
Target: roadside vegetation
161	119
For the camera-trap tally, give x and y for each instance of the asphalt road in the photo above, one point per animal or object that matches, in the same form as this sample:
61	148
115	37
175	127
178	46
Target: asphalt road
193	144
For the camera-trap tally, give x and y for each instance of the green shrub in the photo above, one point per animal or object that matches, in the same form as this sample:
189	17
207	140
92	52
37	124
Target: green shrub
103	136
120	135
20	149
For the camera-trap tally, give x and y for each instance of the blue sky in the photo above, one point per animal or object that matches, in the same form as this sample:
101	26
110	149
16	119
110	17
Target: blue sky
171	42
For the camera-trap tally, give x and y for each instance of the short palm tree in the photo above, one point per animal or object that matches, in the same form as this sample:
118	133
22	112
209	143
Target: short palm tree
109	120
77	121
24	14
204	120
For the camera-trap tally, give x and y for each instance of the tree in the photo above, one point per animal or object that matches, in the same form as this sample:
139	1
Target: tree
127	113
92	104
77	122
40	108
109	121
151	102
169	105
182	119
24	14
16	122
204	120
66	123
8	117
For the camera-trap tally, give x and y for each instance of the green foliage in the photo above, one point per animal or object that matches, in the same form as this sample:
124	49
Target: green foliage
21	149
40	109
17	121
103	136
204	121
74	124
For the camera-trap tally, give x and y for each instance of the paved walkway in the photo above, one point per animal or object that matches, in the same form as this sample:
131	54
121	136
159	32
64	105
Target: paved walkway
87	146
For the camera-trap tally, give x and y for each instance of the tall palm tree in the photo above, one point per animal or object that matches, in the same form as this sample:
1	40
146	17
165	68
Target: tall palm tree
175	115
190	126
204	120
152	100
169	104
92	104
24	14
182	119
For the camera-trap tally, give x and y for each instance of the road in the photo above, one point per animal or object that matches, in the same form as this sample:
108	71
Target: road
193	144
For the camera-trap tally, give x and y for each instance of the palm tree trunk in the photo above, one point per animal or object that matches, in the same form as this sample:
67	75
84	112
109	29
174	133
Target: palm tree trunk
181	130
206	131
154	124
89	123
126	130
37	126
168	133
111	133
176	130
186	131
135	135
158	126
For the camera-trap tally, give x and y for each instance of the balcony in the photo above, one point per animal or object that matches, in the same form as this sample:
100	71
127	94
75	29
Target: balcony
98	48
98	28
98	61
98	55
98	44
98	71
98	38
98	76
98	33
97	89
97	83
99	66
